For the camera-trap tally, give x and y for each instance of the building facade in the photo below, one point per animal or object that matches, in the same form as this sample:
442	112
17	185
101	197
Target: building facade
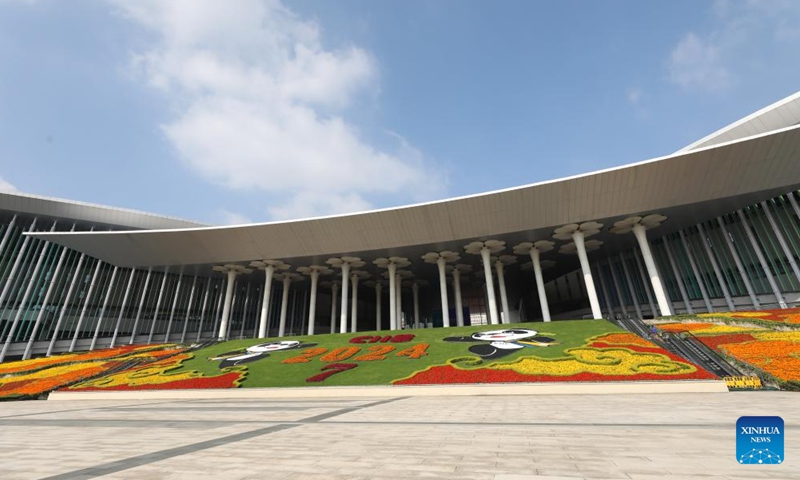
713	227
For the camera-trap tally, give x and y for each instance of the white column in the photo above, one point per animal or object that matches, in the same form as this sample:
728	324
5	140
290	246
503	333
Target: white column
155	311
655	280
287	281
377	306
606	296
457	294
615	280
717	272
354	312
226	307
188	310
501	280
637	254
415	291
17	261
392	296
312	306
85	306
631	288
345	280
763	261
141	303
695	272
103	309
203	309
172	310
742	272
537	271
264	318
9	282
443	292
487	272
334	305
46	301
578	237
781	239
8	234
678	276
399	284
66	304
122	308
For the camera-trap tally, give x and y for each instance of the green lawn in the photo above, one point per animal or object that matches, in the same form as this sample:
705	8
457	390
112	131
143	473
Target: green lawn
271	372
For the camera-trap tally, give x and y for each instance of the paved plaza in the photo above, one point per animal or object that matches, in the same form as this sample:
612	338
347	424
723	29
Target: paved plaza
634	436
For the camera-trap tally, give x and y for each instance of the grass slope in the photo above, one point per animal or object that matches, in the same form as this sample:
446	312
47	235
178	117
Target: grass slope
270	372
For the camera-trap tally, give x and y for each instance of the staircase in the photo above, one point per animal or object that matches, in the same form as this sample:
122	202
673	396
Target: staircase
683	344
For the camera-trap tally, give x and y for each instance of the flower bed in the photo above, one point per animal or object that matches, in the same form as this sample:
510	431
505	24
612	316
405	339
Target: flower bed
30	378
610	357
160	375
776	354
697	328
449	374
586	350
49	379
127	351
788	316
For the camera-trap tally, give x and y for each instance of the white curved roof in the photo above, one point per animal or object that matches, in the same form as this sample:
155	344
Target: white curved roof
781	114
39	206
688	186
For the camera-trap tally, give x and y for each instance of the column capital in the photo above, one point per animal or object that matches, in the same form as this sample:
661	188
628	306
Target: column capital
569	231
531	248
443	257
493	246
637	223
340	262
278	265
315	270
232	269
288	277
398	262
355	275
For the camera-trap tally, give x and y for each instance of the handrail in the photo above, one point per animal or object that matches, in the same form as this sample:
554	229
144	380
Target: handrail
733	370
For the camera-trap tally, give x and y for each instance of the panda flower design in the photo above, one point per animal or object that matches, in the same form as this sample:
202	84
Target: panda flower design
499	343
257	352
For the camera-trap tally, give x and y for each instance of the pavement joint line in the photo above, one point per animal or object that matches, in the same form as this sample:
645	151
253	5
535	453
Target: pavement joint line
316	419
147	458
325	416
193	408
80	409
137	461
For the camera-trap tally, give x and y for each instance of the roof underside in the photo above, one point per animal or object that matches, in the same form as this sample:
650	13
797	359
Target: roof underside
688	187
37	206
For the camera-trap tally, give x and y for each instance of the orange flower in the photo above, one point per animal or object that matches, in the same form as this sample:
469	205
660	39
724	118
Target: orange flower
51	378
623	339
777	357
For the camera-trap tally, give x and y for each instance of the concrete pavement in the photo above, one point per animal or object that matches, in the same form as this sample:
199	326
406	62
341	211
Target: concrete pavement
631	436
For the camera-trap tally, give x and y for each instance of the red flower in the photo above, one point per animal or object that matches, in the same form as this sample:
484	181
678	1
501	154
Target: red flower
448	374
717	340
228	380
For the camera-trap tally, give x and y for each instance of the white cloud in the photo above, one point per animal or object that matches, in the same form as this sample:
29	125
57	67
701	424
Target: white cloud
695	63
742	34
260	106
634	95
226	217
5	186
309	204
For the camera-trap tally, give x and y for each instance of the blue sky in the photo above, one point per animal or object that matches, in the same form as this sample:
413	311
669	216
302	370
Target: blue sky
250	110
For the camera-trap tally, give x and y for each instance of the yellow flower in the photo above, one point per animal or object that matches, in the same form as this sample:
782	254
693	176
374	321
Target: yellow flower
605	361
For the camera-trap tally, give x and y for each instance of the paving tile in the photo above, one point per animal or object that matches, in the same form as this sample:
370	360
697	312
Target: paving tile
664	436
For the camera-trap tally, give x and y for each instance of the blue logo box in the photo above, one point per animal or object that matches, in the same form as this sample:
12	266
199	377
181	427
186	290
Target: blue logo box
759	440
